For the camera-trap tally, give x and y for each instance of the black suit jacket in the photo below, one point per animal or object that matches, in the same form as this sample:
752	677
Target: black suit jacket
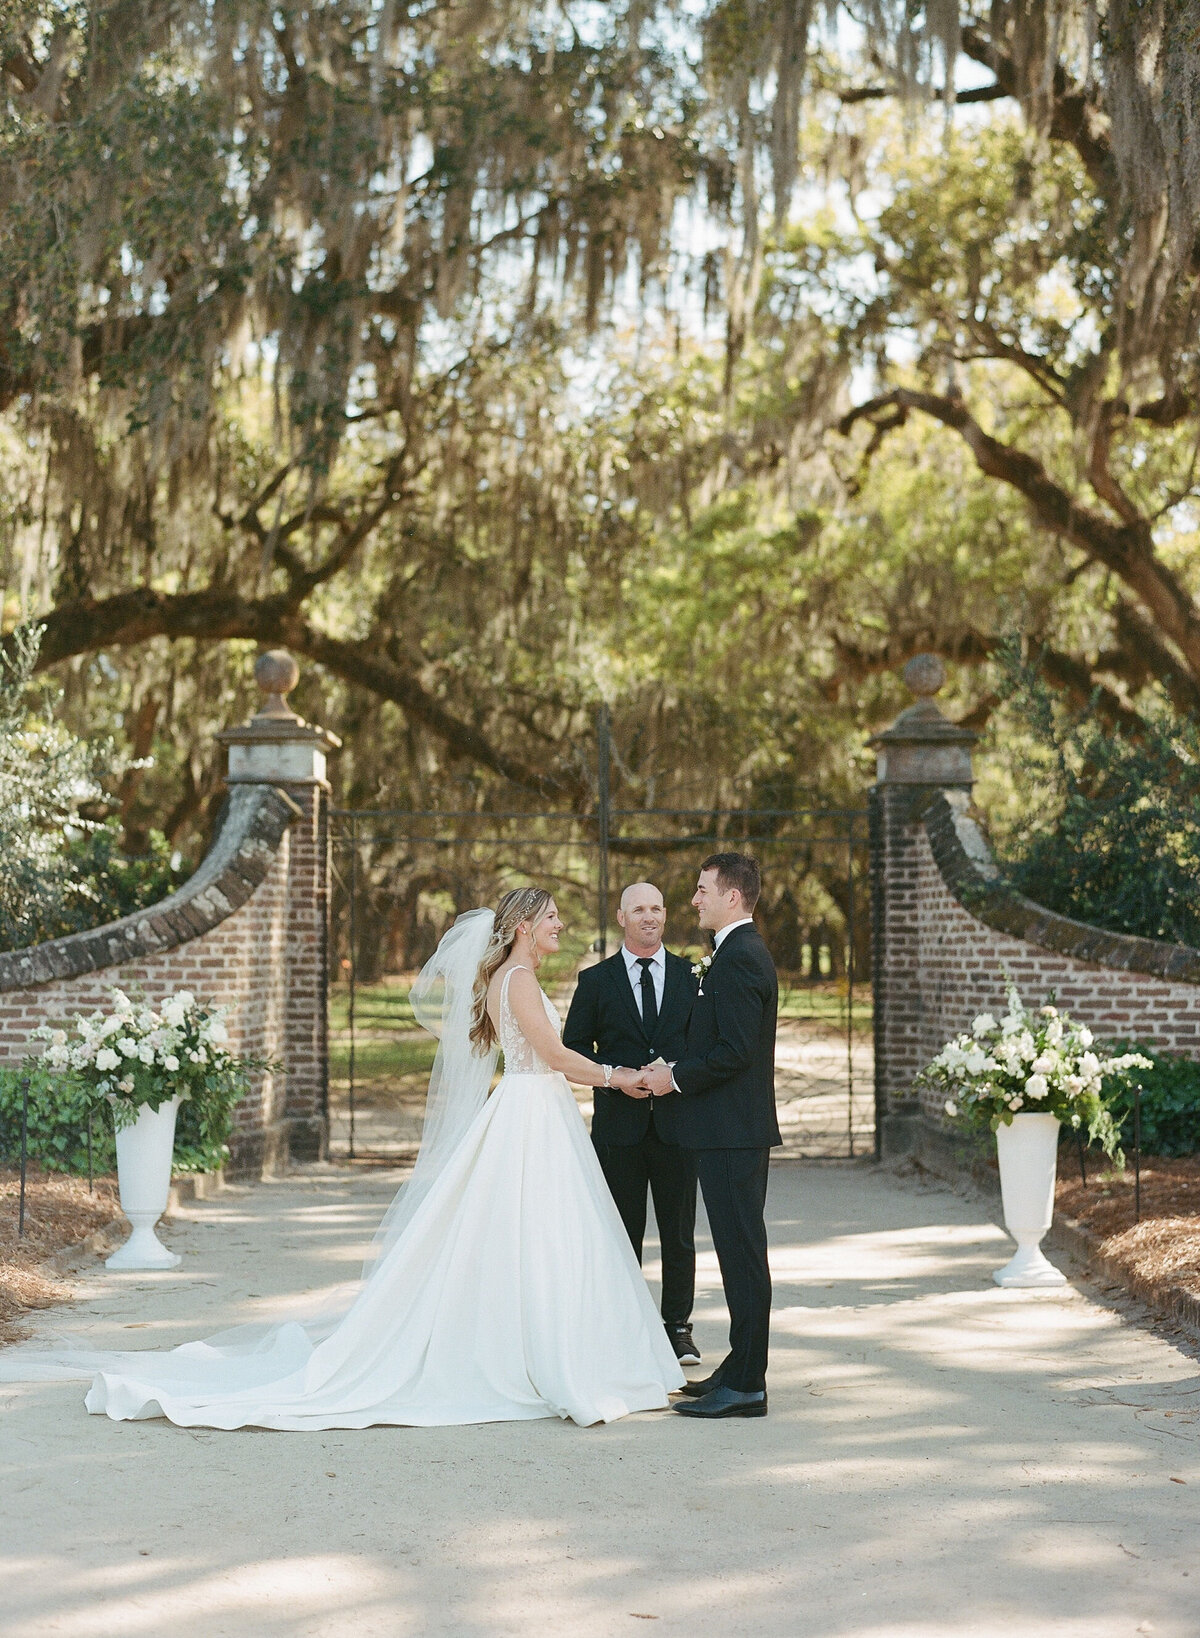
604	1023
726	1072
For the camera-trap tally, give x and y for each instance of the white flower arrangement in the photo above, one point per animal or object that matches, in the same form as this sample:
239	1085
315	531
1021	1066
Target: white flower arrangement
1039	1062
700	968
137	1056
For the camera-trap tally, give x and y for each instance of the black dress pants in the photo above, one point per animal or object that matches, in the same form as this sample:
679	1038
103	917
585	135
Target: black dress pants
669	1173
734	1183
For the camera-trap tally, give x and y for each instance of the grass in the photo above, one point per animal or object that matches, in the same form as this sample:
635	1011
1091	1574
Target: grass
392	1051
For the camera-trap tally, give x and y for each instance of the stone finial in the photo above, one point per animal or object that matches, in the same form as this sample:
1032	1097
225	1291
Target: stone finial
925	675
277	747
922	747
276	673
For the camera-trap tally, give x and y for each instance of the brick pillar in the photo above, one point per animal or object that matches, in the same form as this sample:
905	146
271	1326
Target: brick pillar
276	747
921	754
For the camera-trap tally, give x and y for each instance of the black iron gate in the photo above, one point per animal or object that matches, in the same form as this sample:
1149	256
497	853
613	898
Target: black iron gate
401	876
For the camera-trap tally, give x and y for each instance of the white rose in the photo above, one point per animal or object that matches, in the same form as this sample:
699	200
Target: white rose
1036	1087
106	1058
1049	1012
1045	1063
975	1062
184	1000
1015	1101
217	1033
145	1052
950	1108
983	1024
1089	1065
1085	1037
171	1062
126	1085
127	1047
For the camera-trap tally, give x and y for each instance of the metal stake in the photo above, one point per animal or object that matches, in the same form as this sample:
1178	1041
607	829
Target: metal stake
353	965
24	1153
603	758
1137	1154
89	1147
850	952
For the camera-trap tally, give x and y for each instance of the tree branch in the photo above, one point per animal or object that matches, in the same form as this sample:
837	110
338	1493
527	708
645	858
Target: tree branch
1074	118
875	93
216	615
1126	548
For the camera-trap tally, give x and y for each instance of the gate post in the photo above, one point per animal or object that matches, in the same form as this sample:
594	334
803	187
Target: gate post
922	753
277	747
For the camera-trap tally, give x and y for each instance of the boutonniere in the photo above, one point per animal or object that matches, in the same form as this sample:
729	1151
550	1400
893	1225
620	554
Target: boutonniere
700	968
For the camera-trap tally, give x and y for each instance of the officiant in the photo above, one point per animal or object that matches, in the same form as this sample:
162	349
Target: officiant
631	1009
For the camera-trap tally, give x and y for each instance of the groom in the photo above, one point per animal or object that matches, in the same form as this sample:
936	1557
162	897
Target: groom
724	1110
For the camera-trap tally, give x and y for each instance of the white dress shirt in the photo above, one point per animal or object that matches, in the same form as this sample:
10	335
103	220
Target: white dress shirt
658	973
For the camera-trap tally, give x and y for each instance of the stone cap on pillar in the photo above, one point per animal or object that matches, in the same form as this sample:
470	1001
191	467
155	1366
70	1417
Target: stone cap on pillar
276	747
923	747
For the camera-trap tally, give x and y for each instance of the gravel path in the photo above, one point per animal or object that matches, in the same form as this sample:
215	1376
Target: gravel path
942	1458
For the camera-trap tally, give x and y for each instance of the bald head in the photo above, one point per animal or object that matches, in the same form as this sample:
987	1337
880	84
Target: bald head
642	917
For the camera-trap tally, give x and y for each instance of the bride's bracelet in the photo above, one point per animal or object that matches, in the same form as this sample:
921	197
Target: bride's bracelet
608	1069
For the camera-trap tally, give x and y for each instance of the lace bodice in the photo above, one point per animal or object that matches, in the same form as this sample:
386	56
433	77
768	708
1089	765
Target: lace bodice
519	1056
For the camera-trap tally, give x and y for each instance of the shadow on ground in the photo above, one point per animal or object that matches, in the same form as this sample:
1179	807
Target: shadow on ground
941	1458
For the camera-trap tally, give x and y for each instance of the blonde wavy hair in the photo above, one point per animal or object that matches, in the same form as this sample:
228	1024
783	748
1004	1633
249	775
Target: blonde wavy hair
522	904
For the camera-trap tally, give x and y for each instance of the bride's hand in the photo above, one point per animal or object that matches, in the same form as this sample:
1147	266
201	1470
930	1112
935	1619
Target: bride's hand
626	1080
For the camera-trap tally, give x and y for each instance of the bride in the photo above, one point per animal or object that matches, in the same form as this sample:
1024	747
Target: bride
501	1285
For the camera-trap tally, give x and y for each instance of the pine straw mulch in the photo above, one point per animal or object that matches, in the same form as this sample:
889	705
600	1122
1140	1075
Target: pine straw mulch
59	1214
1159	1256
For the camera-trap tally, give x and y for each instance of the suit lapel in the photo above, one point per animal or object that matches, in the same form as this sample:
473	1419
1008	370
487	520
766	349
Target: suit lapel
675	985
619	976
746	927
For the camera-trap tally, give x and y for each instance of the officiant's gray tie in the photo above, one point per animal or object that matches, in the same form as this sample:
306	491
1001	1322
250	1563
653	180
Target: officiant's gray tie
649	1001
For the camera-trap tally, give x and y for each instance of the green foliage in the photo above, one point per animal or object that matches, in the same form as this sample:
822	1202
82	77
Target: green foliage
46	775
203	1127
1170	1112
64	871
118	884
59	1106
1113	838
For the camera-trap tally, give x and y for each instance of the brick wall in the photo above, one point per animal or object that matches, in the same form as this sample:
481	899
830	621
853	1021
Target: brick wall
968	929
248	930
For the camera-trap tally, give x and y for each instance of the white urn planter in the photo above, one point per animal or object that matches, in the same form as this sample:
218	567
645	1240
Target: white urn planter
144	1152
1028	1155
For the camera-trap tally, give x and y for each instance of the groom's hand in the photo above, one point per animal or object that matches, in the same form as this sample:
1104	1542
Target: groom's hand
656	1080
627	1081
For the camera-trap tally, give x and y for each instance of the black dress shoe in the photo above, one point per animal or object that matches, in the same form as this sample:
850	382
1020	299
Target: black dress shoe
706	1384
686	1351
725	1402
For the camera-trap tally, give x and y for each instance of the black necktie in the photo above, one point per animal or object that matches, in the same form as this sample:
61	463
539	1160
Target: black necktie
649	1003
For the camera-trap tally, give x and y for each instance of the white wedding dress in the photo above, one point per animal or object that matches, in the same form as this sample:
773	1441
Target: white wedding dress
510	1292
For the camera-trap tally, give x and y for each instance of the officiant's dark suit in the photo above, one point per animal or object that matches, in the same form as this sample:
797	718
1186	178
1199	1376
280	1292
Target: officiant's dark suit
725	1113
633	1137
